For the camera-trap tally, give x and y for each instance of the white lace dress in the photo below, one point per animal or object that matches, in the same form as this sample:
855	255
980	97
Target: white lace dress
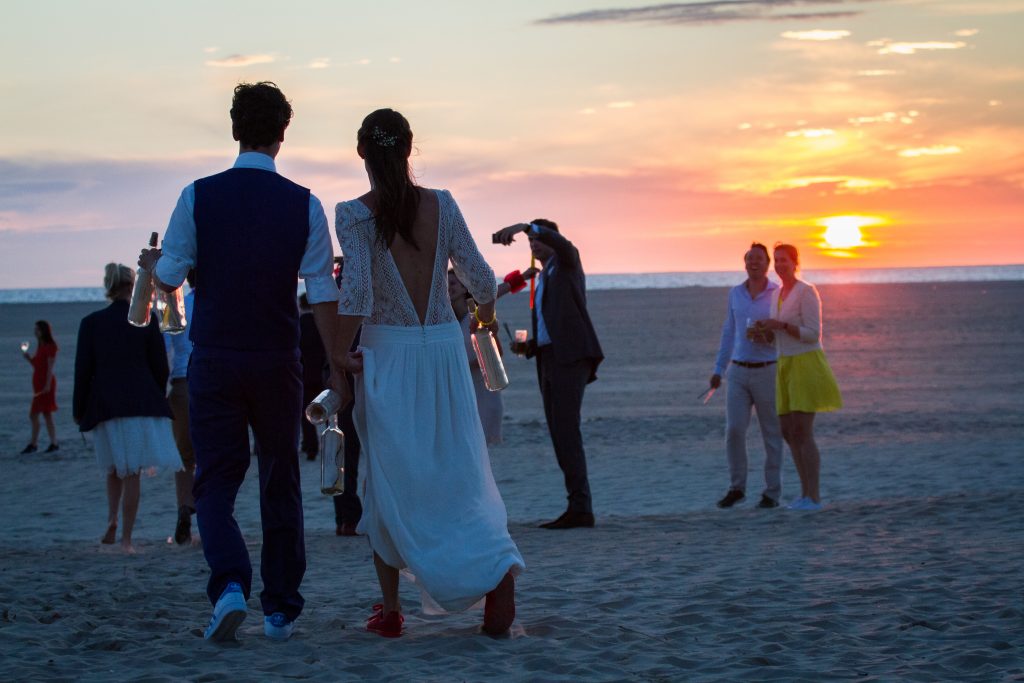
430	504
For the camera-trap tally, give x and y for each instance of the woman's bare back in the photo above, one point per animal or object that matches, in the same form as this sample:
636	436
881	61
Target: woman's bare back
416	266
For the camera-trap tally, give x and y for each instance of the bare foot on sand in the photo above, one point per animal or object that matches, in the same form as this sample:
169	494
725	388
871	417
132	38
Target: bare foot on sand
111	535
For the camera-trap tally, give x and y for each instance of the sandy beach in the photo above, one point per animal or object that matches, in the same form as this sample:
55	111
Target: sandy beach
912	572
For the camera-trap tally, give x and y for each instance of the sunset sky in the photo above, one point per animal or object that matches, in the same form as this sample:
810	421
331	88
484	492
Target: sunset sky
660	137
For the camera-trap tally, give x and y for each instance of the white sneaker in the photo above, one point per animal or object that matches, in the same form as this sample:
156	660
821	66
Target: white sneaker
228	614
811	506
277	626
798	504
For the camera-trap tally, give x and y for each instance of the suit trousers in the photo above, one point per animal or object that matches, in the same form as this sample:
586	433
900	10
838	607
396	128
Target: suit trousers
561	387
228	392
752	388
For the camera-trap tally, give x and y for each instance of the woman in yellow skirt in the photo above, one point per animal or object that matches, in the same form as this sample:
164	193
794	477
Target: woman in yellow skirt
804	382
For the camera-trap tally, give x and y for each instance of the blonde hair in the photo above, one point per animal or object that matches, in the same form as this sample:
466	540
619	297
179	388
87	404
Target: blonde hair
116	278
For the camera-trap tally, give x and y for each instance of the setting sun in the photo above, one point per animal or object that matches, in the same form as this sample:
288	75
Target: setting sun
844	232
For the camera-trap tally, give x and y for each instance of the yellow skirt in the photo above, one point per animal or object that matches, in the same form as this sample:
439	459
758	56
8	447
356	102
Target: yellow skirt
805	384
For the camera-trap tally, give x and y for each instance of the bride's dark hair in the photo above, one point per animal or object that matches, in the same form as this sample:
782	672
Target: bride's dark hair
385	142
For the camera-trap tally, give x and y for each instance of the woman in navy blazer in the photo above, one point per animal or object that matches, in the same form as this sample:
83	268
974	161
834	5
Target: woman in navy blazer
120	375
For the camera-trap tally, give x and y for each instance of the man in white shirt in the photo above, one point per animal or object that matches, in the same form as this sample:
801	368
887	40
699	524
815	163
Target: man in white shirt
747	357
250	234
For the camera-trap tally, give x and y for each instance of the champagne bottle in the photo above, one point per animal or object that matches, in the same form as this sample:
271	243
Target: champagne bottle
142	294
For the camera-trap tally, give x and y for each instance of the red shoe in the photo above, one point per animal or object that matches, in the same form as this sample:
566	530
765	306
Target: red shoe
378	611
500	607
388	625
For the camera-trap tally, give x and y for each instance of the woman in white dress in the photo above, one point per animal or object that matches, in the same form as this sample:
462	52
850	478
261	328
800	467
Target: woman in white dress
431	506
120	375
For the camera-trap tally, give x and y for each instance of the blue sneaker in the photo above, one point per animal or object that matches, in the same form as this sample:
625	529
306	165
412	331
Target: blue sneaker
277	626
228	614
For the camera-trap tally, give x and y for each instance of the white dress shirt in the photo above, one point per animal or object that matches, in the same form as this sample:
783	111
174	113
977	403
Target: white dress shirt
179	245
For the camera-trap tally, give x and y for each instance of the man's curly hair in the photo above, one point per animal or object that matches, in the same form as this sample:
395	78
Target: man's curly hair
259	113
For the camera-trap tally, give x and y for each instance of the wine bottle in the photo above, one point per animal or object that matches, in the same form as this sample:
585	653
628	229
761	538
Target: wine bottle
142	293
332	459
493	370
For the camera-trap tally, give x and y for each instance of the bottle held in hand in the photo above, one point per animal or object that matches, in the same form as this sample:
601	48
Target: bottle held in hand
326	403
142	293
493	370
332	458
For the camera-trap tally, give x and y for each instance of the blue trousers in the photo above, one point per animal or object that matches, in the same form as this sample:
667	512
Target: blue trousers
228	392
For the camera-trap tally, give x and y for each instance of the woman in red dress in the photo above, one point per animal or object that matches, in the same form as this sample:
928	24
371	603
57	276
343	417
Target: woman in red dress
44	386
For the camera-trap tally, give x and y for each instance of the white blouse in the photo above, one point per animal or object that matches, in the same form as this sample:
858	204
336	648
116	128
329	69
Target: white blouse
801	308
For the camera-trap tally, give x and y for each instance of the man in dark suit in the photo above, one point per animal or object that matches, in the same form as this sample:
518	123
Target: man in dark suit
567	352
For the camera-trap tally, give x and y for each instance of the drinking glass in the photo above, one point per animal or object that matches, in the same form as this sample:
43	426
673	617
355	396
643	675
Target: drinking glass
24	346
519	344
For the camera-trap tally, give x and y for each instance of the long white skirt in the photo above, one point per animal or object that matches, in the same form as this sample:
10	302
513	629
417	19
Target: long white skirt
129	445
430	505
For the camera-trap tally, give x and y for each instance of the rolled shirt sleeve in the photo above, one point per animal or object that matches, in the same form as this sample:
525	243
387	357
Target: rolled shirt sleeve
317	266
178	252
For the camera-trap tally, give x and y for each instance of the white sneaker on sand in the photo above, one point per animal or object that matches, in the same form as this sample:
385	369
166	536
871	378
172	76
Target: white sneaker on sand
798	503
228	614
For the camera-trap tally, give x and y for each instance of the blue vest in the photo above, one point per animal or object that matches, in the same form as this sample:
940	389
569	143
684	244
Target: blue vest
251	231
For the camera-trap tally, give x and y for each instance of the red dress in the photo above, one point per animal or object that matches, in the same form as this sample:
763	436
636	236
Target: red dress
47	401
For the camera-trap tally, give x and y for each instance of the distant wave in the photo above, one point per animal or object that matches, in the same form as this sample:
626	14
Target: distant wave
645	281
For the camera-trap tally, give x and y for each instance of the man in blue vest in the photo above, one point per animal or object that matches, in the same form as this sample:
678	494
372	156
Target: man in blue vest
250	234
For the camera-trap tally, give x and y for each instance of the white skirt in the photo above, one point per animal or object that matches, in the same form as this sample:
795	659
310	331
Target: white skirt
430	505
128	445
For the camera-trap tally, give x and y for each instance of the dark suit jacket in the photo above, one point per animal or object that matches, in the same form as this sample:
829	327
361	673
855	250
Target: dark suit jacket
120	370
564	305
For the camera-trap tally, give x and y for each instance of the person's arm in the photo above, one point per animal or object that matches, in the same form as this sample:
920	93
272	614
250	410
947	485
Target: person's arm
515	282
725	344
355	300
85	367
317	269
568	254
472	270
51	360
341	360
171	263
809	330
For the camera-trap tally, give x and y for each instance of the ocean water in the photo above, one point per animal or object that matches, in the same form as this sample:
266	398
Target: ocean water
599	281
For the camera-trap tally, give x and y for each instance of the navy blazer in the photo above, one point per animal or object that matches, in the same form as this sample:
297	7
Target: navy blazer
120	370
564	305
